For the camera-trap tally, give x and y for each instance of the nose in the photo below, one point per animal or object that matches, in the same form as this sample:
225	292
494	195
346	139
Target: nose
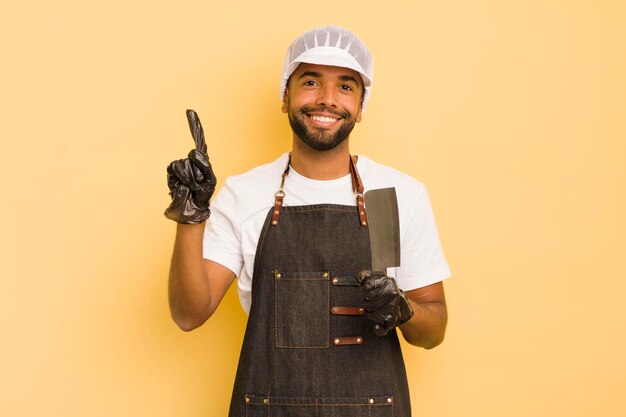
327	96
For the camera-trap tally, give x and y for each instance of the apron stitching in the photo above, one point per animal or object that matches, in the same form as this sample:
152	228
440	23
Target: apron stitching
317	405
275	316
320	209
305	279
328	310
302	347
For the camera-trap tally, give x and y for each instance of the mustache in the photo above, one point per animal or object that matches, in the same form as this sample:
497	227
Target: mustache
324	109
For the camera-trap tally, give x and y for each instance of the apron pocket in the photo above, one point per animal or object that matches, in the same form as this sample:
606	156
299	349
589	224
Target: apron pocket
373	406
302	309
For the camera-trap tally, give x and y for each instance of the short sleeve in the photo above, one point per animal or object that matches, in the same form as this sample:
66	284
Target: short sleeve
222	234
422	260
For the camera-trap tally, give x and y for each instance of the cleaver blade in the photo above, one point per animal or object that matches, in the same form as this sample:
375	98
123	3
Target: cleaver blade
383	222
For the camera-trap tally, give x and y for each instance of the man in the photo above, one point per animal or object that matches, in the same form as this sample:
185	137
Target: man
321	335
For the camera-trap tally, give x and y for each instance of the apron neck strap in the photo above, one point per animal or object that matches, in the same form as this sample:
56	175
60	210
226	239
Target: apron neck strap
357	186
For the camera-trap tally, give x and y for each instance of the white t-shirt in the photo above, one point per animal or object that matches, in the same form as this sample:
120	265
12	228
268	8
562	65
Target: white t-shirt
242	204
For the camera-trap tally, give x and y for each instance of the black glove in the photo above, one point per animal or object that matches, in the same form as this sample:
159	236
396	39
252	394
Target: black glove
191	181
385	304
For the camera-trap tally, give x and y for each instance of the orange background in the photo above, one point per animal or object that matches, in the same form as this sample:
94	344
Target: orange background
512	113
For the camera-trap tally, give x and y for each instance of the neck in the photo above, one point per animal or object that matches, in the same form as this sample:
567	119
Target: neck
320	165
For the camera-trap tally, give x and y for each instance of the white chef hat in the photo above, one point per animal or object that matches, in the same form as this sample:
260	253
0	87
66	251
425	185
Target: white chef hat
330	45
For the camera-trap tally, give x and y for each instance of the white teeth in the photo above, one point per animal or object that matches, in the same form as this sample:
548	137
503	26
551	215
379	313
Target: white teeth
323	119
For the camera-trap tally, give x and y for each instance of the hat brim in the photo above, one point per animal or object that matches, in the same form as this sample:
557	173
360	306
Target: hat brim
325	55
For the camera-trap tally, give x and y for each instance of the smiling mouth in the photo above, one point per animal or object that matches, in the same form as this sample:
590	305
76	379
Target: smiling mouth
323	121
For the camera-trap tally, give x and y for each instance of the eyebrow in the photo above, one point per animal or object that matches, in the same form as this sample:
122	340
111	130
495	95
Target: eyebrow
349	78
318	75
310	74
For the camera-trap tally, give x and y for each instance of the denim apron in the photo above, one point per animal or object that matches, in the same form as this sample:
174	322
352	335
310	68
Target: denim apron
308	350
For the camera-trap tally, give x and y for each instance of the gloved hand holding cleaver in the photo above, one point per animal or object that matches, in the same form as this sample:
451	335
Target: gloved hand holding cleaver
386	306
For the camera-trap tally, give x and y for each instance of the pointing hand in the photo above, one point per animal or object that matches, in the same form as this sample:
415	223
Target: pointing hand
191	180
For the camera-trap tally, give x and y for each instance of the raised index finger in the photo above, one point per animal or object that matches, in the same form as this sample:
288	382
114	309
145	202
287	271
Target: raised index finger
196	130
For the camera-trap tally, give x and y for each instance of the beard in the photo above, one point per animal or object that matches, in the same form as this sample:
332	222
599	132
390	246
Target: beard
320	139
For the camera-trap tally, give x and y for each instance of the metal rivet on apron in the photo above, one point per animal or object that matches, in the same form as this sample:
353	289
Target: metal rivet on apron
377	326
361	310
334	309
359	340
364	223
371	401
325	274
362	212
336	341
335	281
274	222
247	399
266	401
276	211
389	400
278	275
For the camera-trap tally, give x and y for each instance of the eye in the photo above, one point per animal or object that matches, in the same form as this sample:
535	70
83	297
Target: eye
310	83
346	87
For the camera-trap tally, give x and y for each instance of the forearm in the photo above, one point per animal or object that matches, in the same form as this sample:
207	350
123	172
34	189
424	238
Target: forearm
427	327
189	287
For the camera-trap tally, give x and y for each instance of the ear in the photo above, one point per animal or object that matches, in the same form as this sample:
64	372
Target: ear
285	106
359	113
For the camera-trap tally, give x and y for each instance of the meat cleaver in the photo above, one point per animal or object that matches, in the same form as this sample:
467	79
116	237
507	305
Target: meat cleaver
384	228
